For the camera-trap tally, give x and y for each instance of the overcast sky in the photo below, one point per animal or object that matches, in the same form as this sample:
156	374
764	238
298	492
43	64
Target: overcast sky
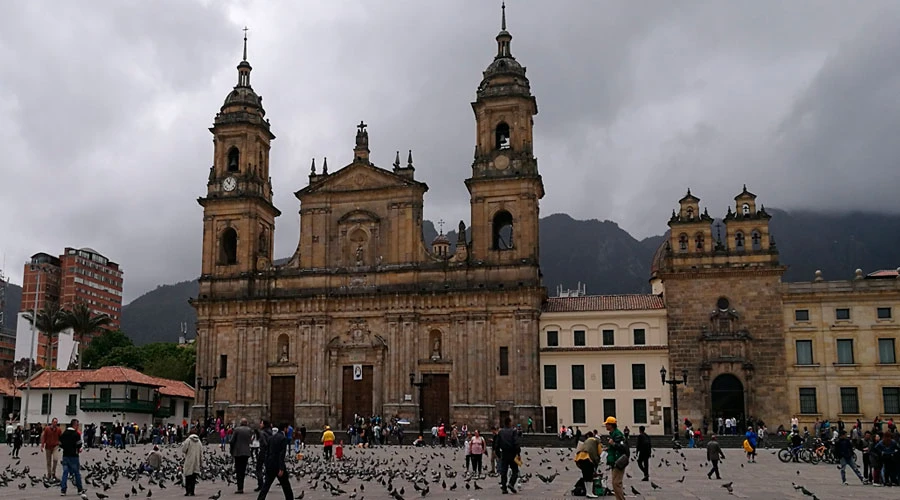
106	105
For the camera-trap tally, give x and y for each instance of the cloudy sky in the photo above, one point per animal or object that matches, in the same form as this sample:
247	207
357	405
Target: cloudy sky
106	105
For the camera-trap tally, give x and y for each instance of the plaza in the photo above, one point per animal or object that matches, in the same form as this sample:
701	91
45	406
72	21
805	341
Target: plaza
363	470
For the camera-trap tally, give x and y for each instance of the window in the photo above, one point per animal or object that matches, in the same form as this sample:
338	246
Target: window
504	360
608	376
638	376
550	377
609	337
609	408
683	243
228	247
808	400
185	409
46	402
579	337
891	400
501	136
503	231
845	352
886	352
640	411
801	315
842	313
756	240
578	416
804	352
698	242
577	377
640	336
72	406
223	365
133	395
884	313
849	400
552	338
172	407
745	209
739	241
234	160
105	395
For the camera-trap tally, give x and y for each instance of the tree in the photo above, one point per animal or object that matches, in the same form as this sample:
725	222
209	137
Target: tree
127	356
103	345
171	361
19	369
51	320
83	323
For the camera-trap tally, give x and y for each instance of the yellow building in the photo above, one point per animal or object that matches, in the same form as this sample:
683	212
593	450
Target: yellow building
601	356
840	341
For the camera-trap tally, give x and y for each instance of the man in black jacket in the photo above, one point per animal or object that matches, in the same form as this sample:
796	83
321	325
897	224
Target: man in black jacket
509	449
644	448
70	442
275	466
240	450
262	435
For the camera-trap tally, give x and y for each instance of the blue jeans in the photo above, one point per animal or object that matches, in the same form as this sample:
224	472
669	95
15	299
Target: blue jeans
852	463
70	465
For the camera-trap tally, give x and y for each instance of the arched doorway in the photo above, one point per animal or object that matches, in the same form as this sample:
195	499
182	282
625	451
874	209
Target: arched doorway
727	393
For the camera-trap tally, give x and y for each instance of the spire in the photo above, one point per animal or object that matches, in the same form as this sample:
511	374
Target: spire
245	40
325	166
503	38
502	24
312	170
409	162
244	67
397	161
361	151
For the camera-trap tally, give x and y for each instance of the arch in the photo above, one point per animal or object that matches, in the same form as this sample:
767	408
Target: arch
284	348
234	159
435	341
683	242
699	242
501	136
727	397
263	242
228	243
739	241
745	209
502	231
358	243
756	240
690	213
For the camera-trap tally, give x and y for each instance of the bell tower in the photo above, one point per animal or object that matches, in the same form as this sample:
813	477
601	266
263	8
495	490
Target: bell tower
238	214
505	185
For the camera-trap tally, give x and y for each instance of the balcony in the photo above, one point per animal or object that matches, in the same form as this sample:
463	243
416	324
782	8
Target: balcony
117	404
163	412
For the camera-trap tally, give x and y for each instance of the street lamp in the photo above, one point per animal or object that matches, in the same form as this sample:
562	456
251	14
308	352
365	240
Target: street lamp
674	383
206	388
31	353
421	385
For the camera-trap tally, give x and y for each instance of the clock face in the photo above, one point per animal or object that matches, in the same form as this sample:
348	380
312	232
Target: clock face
501	162
229	184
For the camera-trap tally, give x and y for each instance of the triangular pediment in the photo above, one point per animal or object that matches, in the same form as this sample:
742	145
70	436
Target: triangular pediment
359	177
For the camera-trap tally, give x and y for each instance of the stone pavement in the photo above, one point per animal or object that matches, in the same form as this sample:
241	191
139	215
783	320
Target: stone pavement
767	479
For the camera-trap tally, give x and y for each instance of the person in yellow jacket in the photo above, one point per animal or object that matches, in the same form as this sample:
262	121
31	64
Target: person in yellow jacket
327	442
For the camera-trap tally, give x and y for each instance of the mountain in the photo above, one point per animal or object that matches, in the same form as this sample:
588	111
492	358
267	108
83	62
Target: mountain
606	259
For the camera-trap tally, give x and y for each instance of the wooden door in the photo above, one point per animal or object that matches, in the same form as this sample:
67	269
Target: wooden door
282	401
551	419
436	399
357	395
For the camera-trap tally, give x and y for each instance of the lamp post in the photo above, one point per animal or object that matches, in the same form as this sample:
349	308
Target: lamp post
674	383
206	388
31	353
420	385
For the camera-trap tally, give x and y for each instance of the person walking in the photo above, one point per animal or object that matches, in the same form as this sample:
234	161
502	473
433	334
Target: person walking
714	454
327	443
262	435
751	438
530	425
845	452
477	448
49	442
70	442
18	440
275	466
509	449
644	449
616	456
888	453
303	435
193	461
241	438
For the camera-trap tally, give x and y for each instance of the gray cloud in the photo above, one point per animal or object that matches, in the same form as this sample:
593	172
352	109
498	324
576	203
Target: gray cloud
106	107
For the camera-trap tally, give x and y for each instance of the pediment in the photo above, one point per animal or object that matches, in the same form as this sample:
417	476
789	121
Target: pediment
359	177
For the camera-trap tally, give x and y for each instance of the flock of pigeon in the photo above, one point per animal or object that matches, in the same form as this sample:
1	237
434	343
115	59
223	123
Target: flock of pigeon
393	472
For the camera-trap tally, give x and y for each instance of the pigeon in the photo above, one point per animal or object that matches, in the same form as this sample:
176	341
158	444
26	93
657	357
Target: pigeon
681	480
728	486
216	496
634	491
654	485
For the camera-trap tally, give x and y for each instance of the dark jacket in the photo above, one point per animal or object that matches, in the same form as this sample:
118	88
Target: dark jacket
714	451
70	442
508	443
240	441
263	436
643	445
618	448
278	444
844	448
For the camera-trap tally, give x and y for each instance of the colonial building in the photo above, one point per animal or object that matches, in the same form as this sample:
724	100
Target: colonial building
105	396
722	289
841	347
600	357
365	307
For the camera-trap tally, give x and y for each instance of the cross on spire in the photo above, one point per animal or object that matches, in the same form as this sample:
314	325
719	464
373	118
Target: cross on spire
362	126
719	231
503	21
245	42
441	225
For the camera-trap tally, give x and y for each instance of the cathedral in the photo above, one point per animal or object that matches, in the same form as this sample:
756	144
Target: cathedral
366	318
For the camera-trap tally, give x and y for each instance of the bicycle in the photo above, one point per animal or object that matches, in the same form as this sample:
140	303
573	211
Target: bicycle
789	453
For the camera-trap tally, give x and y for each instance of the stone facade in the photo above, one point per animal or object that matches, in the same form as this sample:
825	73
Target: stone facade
365	307
722	287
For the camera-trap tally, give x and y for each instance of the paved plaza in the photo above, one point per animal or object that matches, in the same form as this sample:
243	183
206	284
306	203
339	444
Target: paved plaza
363	470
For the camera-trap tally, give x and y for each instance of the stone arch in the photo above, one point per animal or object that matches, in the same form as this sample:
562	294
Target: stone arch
436	344
228	244
502	231
739	243
699	242
745	209
284	348
727	397
501	136
358	244
683	242
756	240
234	159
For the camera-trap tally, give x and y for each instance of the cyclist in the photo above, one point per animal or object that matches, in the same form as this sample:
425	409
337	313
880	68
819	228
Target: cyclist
796	445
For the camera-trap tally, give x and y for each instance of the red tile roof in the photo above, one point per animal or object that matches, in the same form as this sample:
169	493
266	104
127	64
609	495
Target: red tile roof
73	379
885	273
604	303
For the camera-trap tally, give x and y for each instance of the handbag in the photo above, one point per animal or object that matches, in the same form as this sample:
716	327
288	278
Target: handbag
621	462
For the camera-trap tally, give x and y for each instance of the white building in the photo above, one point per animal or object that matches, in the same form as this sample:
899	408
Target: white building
601	356
106	396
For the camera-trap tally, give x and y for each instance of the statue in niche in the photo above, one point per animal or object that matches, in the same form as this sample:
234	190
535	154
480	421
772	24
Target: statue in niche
284	354
436	348
359	255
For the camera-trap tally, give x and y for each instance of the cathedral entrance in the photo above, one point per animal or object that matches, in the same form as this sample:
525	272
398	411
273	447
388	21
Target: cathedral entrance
727	393
282	401
357	393
436	399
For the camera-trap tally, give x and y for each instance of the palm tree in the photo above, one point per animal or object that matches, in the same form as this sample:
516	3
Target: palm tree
51	320
83	323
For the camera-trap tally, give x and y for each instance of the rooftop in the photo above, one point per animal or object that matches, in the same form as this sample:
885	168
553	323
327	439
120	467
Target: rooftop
74	379
632	302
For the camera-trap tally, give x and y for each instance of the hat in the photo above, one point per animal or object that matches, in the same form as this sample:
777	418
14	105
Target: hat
327	428
610	420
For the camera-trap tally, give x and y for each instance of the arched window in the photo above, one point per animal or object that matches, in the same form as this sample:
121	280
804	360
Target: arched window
698	242
234	160
739	241
228	247
690	213
501	135
756	240
263	242
745	209
502	231
683	243
284	348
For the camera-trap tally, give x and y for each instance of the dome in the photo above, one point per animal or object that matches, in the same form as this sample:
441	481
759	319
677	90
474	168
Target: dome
244	96
659	257
504	65
440	240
